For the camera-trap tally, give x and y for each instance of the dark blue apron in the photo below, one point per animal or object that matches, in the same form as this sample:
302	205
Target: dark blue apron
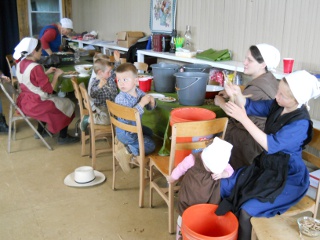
55	44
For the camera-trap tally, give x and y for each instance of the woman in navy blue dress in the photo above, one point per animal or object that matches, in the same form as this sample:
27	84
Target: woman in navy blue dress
278	178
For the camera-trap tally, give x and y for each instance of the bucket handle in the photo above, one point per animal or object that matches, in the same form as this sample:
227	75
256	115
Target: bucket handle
179	89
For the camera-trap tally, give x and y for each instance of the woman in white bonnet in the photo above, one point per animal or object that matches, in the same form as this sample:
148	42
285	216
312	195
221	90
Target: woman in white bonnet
36	99
260	61
278	178
50	36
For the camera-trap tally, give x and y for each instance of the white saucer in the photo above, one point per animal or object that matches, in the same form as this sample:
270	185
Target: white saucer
167	99
83	75
156	95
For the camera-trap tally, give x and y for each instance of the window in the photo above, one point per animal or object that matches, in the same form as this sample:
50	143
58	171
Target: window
43	13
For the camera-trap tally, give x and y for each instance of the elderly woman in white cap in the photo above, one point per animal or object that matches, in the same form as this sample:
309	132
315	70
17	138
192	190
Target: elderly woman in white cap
260	61
278	177
36	99
50	36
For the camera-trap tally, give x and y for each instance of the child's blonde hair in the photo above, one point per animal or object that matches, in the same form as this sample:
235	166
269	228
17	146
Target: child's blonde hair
101	64
100	56
127	67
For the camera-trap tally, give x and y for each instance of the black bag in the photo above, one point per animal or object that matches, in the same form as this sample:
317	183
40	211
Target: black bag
50	61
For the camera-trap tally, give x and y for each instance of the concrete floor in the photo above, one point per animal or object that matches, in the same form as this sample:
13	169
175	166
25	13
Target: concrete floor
35	204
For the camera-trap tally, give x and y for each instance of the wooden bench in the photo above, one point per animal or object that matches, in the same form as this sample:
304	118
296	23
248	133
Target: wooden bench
276	228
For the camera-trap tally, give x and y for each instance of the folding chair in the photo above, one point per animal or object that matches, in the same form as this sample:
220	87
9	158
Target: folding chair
15	113
165	164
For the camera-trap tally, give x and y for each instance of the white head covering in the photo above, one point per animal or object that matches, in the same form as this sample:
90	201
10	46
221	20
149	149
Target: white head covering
270	54
216	156
66	23
27	45
303	86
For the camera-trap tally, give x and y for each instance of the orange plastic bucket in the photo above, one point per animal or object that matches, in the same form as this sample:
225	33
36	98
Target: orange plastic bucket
188	114
199	222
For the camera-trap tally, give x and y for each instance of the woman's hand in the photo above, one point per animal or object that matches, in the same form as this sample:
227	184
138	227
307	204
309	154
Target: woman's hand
51	70
57	72
219	100
232	89
233	110
7	79
223	94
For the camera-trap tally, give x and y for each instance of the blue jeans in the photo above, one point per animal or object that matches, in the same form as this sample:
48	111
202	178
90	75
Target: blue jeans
130	140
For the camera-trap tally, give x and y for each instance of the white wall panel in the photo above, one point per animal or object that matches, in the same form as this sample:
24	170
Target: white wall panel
290	25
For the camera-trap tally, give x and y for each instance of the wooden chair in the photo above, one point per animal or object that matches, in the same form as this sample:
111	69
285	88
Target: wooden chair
15	114
83	112
97	132
165	164
141	66
118	111
304	205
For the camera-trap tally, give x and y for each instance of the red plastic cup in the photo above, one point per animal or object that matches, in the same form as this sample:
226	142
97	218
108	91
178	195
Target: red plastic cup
145	83
288	65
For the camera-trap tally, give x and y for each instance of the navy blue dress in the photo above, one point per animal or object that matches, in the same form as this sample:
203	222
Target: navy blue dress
289	139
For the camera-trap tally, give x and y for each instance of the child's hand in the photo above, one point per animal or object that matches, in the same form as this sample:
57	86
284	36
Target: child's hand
146	99
170	179
217	176
152	101
116	55
102	82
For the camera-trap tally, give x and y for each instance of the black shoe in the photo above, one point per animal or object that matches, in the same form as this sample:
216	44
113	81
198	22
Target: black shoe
84	123
67	140
4	127
44	134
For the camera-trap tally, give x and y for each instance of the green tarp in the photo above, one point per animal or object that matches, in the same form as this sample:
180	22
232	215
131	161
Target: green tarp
214	55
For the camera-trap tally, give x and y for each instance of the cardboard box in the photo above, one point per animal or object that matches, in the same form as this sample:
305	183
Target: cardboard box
128	38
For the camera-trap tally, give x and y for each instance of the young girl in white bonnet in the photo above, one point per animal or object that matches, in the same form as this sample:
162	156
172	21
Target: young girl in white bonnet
202	173
278	177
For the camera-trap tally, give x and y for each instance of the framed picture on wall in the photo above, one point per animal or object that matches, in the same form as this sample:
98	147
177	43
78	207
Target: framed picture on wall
162	16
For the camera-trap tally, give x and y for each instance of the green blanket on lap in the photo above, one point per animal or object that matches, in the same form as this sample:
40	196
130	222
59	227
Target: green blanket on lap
214	55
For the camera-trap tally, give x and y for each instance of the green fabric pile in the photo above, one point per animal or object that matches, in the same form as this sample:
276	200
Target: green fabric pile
214	55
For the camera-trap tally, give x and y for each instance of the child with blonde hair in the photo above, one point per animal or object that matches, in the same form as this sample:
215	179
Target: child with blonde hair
131	96
102	87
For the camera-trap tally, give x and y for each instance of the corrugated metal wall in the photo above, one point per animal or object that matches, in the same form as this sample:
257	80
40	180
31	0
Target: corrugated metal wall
290	25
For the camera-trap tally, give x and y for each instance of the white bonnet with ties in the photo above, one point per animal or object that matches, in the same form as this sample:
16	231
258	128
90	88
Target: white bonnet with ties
27	45
303	86
270	54
216	156
66	23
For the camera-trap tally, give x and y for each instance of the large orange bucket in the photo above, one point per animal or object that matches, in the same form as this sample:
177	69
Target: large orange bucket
188	114
199	222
